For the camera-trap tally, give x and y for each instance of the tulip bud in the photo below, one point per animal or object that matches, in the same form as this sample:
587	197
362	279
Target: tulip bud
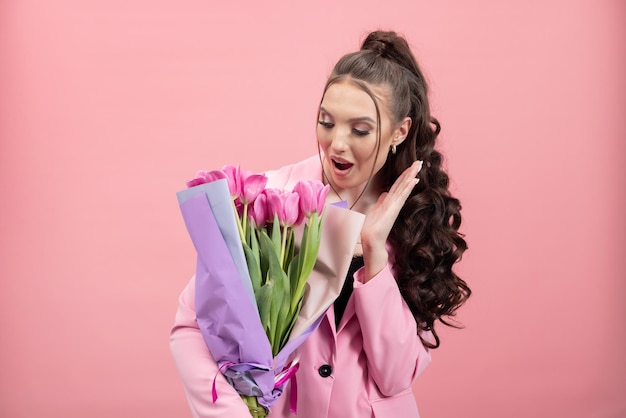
285	205
234	179
258	211
312	196
206	177
251	185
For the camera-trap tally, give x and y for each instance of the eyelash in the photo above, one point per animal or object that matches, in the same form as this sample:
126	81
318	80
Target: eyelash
330	125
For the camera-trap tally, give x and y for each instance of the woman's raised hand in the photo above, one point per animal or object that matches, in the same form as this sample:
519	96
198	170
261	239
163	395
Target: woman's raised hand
380	220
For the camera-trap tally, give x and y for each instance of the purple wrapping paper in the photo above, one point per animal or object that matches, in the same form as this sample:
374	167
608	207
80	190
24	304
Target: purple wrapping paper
228	320
223	212
227	317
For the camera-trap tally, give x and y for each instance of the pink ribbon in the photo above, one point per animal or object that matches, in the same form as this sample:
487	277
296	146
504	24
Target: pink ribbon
214	390
289	373
293	396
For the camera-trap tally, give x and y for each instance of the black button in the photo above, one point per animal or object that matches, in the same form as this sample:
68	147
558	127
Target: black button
325	370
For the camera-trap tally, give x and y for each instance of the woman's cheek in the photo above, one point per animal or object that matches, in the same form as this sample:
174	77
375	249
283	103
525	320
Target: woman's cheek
322	140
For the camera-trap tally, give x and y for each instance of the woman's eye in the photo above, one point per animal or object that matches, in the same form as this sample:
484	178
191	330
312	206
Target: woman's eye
326	124
360	132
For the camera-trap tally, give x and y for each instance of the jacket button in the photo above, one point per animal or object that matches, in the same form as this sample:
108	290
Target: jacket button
325	370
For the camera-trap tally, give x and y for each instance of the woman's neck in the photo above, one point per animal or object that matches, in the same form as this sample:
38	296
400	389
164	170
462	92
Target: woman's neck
356	199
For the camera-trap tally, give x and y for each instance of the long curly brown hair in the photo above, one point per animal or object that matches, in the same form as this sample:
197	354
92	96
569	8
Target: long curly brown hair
426	234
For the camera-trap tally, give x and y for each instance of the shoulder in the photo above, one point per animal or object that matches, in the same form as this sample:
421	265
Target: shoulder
286	177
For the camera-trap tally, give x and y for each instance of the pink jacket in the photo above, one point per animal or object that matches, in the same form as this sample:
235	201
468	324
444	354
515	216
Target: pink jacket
365	368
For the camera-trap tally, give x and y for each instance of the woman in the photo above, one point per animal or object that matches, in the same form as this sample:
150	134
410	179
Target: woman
377	152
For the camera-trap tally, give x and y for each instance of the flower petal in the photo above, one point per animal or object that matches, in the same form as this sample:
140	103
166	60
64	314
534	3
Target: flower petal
251	186
234	179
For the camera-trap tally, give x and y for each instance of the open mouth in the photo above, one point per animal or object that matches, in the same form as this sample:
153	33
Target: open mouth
341	165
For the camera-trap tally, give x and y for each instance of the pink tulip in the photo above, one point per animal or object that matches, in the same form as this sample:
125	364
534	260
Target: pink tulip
258	212
195	182
243	184
206	177
285	205
251	185
312	196
233	175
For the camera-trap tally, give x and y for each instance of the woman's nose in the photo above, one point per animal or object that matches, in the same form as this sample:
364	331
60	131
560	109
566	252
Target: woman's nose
339	140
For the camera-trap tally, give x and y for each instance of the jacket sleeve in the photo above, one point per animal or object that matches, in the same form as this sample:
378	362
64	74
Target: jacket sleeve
395	353
197	368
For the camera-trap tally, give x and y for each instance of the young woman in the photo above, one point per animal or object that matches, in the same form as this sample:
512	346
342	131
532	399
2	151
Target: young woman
376	138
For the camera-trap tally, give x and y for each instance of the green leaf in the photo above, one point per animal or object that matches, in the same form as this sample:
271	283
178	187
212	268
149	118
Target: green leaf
283	324
280	295
254	242
292	321
313	244
254	248
293	274
263	260
247	229
264	302
291	247
276	237
307	258
254	268
303	248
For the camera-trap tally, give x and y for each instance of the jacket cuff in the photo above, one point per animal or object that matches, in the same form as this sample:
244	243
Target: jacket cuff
378	280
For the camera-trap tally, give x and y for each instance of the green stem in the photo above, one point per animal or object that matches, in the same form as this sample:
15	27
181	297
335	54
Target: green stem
245	217
256	410
283	245
241	234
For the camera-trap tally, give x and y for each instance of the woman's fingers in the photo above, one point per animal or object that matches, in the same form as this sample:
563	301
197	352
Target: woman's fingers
402	187
384	213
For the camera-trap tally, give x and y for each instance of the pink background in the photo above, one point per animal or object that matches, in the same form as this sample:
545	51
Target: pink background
107	107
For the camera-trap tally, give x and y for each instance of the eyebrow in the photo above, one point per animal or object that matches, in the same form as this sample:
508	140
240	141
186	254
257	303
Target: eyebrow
359	119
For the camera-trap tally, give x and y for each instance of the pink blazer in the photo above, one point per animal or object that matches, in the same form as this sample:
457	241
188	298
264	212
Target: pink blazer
364	368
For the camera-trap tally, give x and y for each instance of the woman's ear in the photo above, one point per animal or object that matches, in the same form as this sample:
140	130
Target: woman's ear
401	132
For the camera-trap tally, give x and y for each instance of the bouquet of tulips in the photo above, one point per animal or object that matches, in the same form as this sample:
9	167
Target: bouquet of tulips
256	248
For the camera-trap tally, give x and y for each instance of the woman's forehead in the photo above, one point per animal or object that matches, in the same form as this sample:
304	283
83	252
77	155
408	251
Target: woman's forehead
346	96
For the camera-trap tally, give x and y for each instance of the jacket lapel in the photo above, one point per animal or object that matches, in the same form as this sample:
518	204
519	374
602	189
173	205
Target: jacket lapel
347	315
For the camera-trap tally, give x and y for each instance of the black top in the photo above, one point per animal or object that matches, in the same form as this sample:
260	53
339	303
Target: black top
346	291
